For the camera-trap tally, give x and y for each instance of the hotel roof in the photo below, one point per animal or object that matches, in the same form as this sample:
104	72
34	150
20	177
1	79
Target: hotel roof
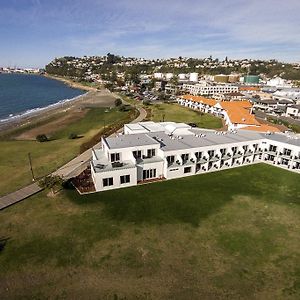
195	138
200	138
130	140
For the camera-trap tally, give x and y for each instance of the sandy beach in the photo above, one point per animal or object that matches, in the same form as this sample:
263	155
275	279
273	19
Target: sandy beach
71	83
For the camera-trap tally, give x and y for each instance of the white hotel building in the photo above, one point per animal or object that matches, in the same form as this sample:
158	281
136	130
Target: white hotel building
149	151
206	90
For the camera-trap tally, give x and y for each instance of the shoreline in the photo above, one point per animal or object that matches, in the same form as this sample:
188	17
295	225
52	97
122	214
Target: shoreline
40	113
95	98
70	82
35	115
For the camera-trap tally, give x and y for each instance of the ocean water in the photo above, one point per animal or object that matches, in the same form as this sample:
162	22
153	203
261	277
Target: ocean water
23	94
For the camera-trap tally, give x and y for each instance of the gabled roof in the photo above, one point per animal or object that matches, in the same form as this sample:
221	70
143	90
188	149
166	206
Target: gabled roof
200	99
238	112
262	128
249	88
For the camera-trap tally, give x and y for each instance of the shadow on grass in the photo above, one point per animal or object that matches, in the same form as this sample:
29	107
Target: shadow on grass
192	199
3	241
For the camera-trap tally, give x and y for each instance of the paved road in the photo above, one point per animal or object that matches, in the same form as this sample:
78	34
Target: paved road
69	170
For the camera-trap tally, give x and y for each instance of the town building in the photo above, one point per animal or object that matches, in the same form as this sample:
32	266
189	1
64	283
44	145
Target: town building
149	151
209	90
293	111
236	114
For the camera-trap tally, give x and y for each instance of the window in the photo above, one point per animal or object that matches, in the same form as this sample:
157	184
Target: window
125	179
170	159
185	157
137	154
187	170
151	173
272	148
287	152
234	150
115	157
108	181
223	151
211	153
150	153
198	155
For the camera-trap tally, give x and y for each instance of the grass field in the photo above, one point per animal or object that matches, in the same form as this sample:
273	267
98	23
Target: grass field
48	156
231	234
176	113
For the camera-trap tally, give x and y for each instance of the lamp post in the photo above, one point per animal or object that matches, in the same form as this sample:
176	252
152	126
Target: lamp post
30	164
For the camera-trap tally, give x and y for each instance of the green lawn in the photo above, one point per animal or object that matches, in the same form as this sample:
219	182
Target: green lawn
231	234
46	157
174	112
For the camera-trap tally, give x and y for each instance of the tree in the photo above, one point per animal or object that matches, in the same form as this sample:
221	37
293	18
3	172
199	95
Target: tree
118	102
42	138
52	182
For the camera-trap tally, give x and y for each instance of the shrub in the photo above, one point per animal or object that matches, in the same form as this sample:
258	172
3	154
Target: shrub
42	138
118	102
52	182
73	136
146	102
123	108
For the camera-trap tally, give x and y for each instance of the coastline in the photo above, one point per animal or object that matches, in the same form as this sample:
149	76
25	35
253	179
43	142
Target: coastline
38	114
43	113
70	82
99	98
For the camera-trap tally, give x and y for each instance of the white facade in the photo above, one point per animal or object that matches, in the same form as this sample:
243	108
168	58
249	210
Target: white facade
194	77
293	111
182	76
169	76
158	75
293	94
278	82
205	90
170	150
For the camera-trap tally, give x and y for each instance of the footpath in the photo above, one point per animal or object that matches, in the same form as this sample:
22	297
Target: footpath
69	170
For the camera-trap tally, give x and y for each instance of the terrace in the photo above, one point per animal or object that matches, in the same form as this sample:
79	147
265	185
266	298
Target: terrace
84	182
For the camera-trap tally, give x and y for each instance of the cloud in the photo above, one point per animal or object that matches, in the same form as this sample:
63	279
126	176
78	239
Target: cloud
234	28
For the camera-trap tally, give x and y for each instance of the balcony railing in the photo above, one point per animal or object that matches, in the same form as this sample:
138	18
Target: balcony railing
214	158
248	153
227	156
271	152
237	155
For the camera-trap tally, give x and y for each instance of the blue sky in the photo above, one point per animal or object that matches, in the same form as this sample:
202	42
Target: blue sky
33	32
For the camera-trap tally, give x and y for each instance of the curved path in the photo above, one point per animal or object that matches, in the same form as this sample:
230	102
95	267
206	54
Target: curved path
69	170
